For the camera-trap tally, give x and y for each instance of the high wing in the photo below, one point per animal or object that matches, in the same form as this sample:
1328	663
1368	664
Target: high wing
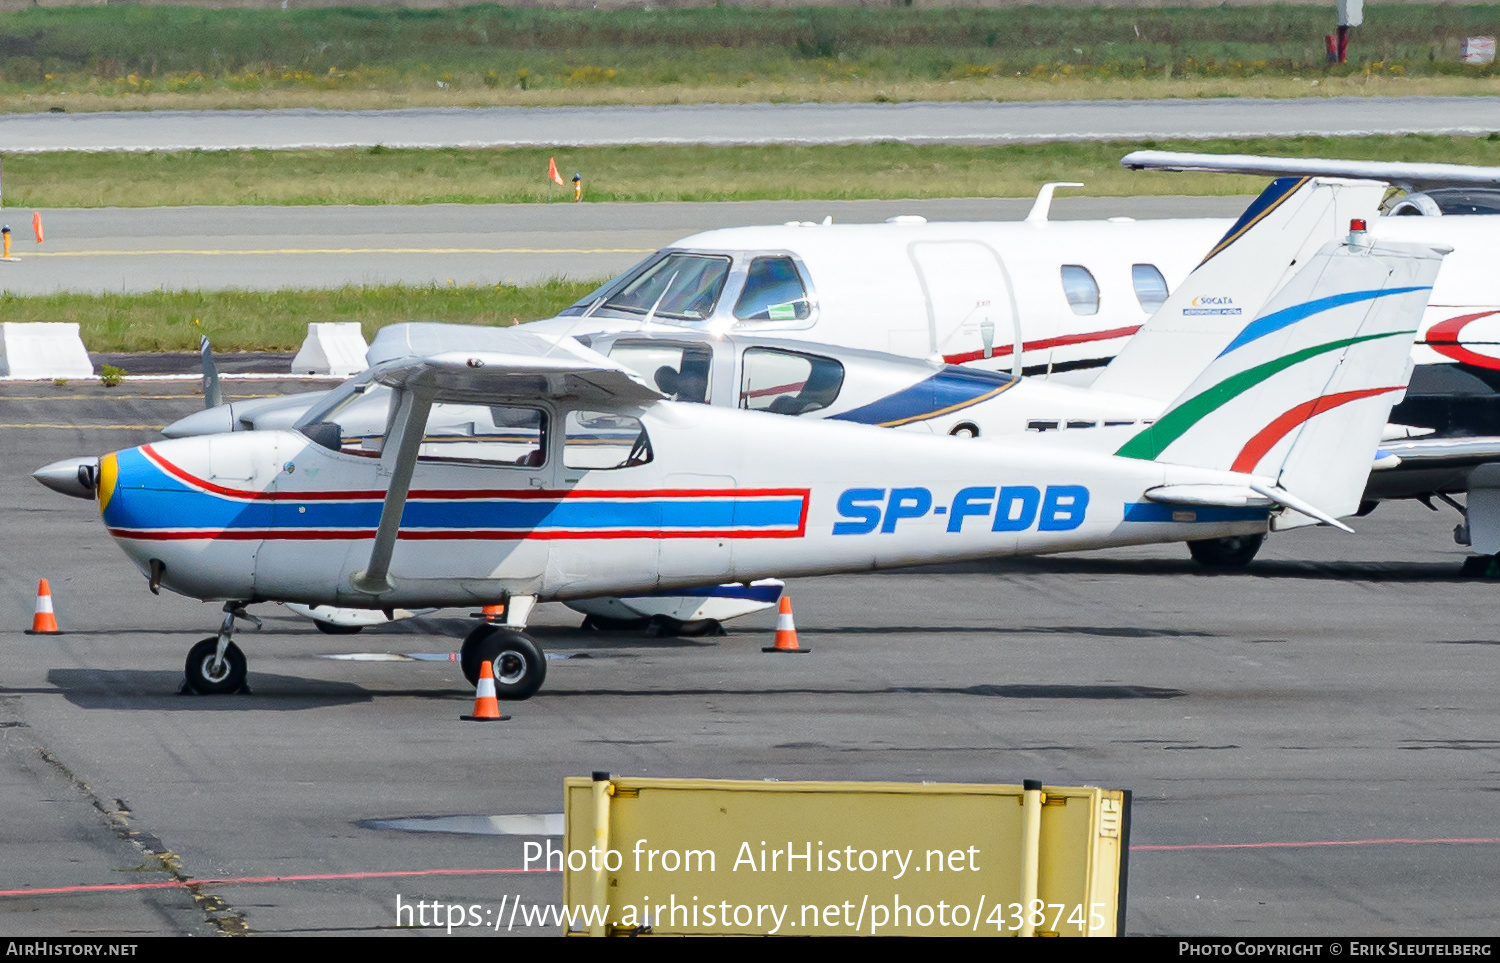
461	363
1408	176
492	366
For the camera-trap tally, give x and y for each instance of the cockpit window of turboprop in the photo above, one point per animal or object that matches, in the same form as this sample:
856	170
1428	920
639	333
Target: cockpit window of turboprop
682	287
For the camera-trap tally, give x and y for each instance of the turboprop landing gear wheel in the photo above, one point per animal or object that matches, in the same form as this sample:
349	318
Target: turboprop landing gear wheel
206	678
1233	552
519	665
603	623
333	628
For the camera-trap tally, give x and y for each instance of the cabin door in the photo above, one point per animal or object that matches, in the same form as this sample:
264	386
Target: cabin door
971	308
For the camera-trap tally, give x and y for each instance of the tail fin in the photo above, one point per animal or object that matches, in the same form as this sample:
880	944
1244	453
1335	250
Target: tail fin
1301	393
1276	235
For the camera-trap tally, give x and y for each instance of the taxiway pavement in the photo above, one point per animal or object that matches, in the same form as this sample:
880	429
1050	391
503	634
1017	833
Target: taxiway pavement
267	248
972	122
1312	743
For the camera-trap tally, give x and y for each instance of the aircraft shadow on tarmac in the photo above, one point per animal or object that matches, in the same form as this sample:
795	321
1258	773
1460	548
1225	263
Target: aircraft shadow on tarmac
988	691
158	691
1102	631
1260	569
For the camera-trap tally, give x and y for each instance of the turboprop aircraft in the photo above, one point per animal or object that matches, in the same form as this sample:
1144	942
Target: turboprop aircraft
581	480
1060	299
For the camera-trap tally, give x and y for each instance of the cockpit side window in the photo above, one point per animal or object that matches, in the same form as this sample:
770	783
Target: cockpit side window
773	292
679	371
788	382
681	287
486	435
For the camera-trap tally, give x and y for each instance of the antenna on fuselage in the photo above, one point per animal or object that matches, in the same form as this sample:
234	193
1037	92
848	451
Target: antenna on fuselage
213	395
1043	204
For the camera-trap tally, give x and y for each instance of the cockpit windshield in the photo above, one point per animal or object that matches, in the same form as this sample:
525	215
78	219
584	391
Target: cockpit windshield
682	287
678	286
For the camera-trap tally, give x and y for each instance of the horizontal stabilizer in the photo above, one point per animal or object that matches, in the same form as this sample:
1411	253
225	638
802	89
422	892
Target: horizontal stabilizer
1411	177
1286	499
1208	496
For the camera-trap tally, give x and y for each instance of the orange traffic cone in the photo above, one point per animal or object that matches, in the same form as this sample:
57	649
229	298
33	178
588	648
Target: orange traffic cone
490	613
786	631
486	706
44	622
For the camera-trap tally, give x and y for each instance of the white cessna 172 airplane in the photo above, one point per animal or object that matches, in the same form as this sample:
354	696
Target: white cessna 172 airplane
796	378
586	481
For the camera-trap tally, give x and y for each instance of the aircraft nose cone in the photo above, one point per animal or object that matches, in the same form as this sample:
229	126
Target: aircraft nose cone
71	476
209	421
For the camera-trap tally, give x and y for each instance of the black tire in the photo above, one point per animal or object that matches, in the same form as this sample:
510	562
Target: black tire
603	623
200	674
1233	552
519	665
671	628
329	628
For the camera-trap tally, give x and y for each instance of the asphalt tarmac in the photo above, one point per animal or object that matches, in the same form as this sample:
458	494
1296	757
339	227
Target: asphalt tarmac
267	248
1312	743
973	122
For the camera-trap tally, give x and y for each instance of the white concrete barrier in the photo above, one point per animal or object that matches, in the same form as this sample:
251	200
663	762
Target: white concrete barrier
42	349
332	348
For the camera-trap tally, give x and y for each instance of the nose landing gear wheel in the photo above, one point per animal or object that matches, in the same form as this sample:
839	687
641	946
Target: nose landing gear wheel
517	661
204	678
1233	552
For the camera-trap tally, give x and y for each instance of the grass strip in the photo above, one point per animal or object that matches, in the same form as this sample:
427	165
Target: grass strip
277	320
660	173
104	57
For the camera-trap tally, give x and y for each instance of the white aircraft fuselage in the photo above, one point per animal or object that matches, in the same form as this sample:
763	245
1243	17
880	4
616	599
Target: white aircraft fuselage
727	496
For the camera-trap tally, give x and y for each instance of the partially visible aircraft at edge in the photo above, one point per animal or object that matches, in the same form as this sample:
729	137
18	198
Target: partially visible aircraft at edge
589	482
1059	299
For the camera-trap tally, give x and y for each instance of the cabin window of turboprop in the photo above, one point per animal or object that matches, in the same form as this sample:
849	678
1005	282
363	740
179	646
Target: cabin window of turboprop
679	287
601	441
773	292
1150	286
679	371
788	382
485	434
1081	289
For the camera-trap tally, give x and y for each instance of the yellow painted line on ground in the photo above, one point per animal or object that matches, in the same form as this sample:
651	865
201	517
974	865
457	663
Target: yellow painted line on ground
217	252
84	427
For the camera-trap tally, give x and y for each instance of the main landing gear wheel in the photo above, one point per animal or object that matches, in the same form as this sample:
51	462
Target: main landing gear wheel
205	678
603	623
333	628
518	663
1233	552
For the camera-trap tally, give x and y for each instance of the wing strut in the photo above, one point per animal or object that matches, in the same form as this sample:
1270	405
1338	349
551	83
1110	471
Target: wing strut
397	460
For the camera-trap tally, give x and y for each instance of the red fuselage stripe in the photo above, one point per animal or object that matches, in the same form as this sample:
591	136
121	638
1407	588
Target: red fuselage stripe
1004	350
